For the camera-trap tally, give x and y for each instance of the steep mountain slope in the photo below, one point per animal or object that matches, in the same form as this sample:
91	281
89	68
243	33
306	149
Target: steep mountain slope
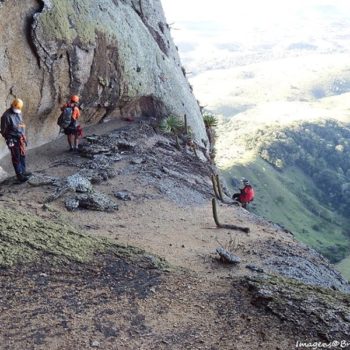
84	285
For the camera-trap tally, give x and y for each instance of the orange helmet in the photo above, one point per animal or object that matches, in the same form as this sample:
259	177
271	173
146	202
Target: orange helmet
75	99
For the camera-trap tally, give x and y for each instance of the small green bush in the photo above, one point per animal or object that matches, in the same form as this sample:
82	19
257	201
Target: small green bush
210	120
172	124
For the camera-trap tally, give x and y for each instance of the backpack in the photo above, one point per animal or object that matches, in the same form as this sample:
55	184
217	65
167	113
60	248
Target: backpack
65	117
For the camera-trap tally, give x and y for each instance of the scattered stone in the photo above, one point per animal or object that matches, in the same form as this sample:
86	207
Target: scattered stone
89	150
165	144
79	183
41	180
57	194
95	344
96	201
91	138
103	164
227	257
94	176
137	161
71	204
254	268
123	195
124	145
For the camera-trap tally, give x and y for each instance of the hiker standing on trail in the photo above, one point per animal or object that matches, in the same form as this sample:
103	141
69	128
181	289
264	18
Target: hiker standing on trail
246	194
13	131
73	131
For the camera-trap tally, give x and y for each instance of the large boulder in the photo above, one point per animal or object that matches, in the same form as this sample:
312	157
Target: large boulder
118	55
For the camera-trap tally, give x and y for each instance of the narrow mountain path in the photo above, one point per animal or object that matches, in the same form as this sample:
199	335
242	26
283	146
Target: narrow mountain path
40	157
170	211
183	234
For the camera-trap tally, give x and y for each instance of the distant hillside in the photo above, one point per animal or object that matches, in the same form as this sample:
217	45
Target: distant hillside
302	176
284	125
319	150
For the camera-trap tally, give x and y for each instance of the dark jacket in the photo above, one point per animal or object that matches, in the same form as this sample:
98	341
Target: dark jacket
12	125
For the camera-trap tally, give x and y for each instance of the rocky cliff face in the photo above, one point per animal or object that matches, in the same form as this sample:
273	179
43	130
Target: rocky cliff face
118	55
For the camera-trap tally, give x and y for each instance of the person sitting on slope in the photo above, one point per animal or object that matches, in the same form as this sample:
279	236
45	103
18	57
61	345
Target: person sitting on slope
246	194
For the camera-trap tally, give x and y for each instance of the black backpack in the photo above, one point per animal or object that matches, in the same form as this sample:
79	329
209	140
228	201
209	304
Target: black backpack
65	117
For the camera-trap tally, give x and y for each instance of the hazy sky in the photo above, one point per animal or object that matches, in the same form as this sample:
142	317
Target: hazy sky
212	30
239	18
252	10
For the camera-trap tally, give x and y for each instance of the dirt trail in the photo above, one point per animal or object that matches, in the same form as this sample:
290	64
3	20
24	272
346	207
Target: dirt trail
41	157
186	236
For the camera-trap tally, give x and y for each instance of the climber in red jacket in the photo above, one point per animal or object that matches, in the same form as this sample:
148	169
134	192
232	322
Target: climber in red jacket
246	194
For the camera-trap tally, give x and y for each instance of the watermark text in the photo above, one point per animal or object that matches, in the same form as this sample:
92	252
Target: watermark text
335	344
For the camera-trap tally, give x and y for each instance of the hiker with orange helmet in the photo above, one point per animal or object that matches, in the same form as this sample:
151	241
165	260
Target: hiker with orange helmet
246	194
74	131
13	131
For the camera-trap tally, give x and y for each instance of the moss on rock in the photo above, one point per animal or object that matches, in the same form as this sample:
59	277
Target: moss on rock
25	238
66	21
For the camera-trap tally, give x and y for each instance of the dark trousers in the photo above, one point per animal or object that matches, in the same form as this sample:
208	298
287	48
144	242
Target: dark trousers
18	160
236	197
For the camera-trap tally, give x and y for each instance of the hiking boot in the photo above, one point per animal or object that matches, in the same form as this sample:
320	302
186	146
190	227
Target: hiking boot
27	173
22	178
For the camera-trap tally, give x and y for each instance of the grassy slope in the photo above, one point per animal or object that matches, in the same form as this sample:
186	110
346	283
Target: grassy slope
278	199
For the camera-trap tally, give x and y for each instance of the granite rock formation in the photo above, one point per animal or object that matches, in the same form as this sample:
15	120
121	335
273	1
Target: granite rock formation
118	55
